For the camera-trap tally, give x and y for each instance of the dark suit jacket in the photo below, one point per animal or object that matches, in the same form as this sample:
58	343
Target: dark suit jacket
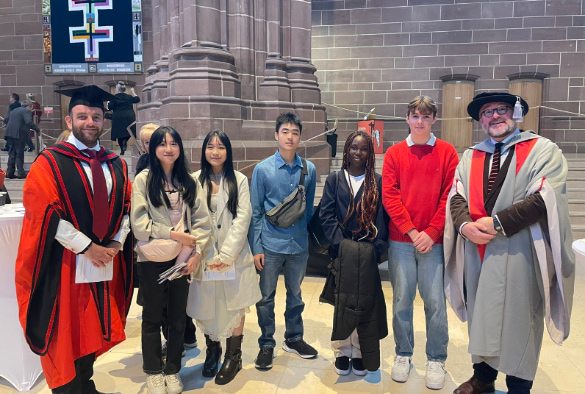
13	105
19	124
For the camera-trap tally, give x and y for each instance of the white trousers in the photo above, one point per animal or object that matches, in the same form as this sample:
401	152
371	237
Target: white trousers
349	347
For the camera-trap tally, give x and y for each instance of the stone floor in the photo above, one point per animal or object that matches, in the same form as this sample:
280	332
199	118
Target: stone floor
119	371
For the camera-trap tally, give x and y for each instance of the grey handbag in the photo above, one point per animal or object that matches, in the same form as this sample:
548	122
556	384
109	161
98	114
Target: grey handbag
289	210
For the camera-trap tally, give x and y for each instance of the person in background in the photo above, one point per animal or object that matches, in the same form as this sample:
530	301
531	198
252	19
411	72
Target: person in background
416	179
145	134
14	103
506	211
276	248
220	306
36	117
77	201
164	198
354	221
123	115
17	133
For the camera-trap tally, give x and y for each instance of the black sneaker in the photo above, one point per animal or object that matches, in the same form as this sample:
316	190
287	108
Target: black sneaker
300	347
264	359
342	365
357	366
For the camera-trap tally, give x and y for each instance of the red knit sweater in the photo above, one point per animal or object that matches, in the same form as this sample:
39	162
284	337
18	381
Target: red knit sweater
415	184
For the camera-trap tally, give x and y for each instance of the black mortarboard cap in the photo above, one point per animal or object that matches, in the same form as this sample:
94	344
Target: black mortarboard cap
91	96
494	97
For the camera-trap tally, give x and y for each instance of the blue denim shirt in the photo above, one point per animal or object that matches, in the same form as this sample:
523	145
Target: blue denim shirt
273	180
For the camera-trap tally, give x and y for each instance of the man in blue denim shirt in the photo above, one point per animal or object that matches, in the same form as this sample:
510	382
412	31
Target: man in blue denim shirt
277	248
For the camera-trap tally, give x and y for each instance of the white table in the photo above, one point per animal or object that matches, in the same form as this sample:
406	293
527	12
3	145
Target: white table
18	364
579	249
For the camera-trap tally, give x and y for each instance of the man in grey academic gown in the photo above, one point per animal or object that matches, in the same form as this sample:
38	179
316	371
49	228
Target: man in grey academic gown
509	266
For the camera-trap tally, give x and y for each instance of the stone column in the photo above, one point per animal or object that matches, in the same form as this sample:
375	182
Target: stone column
274	86
241	43
305	92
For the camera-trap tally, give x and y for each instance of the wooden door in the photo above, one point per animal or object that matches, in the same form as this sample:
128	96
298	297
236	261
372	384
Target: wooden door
456	125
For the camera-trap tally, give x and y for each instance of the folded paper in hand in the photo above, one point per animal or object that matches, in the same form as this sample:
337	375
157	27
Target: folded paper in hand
209	275
176	271
86	272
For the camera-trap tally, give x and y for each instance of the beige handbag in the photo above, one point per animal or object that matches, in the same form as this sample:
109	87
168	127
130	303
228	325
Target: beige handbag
162	250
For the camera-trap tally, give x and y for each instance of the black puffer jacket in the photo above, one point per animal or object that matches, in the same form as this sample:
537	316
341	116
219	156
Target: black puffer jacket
359	299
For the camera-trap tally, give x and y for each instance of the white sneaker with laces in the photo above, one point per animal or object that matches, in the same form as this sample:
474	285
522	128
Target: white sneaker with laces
156	384
435	375
174	384
401	369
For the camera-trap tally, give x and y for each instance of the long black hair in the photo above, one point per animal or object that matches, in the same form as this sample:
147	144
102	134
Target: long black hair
180	177
366	207
228	170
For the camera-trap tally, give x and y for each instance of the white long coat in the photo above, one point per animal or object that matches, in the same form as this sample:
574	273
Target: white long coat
231	237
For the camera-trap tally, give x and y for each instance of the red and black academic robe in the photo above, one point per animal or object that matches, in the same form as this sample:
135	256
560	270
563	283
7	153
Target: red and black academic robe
63	320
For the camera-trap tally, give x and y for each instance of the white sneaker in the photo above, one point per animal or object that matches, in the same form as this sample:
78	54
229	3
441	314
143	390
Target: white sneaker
174	384
156	384
401	369
435	375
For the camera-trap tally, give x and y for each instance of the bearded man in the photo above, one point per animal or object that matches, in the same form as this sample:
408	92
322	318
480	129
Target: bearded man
74	265
509	267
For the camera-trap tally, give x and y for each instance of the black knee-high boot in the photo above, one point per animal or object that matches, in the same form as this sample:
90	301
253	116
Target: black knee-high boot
232	364
212	356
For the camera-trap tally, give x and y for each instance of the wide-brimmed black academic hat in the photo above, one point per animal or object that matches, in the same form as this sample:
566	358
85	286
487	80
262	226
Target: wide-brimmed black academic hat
91	96
494	97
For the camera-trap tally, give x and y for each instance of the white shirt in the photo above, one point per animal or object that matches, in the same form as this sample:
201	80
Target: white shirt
355	181
432	140
67	235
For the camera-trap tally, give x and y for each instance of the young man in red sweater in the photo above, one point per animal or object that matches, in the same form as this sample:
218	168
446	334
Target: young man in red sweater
416	178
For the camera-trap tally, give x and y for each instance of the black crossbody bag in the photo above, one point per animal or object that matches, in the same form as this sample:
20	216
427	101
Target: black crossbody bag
289	210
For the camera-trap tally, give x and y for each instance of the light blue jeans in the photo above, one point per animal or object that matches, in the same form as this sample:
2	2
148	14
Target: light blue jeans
293	267
407	267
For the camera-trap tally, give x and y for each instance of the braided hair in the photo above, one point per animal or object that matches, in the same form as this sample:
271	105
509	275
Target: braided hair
366	206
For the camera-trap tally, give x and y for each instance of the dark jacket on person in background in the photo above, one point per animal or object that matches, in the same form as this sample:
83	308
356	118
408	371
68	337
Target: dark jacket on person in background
123	115
20	123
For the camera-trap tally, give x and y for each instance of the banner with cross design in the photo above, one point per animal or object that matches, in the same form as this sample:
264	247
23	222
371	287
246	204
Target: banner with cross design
92	36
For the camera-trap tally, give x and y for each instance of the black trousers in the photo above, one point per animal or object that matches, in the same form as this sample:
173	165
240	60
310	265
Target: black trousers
15	156
82	383
190	329
486	374
169	295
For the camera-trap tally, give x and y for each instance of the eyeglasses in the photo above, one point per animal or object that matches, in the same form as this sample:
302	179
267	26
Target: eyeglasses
488	113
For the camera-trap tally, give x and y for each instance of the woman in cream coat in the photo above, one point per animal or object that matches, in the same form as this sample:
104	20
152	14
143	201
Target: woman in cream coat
163	197
219	306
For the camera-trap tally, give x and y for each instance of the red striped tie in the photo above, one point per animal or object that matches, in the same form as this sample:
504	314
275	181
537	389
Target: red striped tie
495	166
101	210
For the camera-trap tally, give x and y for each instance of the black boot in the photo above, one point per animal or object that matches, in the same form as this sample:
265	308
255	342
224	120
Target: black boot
123	145
213	354
232	364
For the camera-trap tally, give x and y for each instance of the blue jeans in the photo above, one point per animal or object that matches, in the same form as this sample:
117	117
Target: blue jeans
407	267
293	267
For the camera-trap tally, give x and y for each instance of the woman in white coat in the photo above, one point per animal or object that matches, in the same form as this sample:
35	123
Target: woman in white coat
220	306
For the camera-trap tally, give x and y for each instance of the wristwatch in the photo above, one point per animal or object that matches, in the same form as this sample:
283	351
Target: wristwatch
497	225
86	248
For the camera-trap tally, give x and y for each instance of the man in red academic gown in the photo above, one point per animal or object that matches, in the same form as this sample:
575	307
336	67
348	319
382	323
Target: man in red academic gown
74	265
